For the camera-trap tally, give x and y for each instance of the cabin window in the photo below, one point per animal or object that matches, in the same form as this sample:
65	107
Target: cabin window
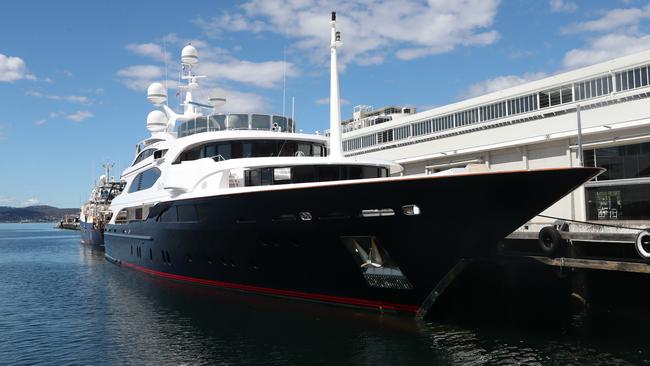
187	213
217	122
238	122
159	154
201	124
260	122
252	149
122	217
305	174
143	155
144	180
169	215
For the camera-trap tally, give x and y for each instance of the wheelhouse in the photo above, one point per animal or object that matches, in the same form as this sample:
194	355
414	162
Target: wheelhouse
235	121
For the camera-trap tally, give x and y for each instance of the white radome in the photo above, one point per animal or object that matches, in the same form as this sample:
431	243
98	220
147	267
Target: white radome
156	121
217	102
157	94
189	55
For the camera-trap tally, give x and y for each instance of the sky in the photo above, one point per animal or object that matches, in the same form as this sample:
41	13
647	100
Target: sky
74	74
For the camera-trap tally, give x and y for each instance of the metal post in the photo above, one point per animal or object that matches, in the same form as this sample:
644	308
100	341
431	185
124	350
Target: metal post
580	155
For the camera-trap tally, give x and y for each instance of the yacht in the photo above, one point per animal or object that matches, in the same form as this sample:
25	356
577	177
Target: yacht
95	213
243	202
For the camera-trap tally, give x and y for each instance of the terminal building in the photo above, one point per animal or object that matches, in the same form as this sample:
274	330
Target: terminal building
533	126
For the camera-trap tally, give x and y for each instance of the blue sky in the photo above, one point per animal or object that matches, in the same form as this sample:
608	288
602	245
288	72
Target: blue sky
73	74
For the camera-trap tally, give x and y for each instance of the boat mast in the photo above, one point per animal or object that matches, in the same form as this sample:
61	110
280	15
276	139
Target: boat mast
335	103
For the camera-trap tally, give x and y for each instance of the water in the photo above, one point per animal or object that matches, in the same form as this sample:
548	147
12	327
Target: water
62	303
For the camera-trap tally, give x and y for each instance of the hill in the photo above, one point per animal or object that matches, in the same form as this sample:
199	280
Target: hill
39	213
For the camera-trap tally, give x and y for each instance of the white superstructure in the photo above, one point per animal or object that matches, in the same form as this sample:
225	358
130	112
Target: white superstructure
193	155
534	126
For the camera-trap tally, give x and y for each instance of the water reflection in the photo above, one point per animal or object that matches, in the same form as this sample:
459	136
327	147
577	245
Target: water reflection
63	303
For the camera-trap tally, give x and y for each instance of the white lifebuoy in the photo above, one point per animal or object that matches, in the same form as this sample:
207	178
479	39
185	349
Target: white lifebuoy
639	244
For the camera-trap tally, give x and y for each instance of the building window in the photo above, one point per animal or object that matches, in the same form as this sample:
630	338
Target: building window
620	202
592	88
621	162
632	78
620	193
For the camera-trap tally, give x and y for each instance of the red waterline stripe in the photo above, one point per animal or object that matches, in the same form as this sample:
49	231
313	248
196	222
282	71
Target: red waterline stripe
279	292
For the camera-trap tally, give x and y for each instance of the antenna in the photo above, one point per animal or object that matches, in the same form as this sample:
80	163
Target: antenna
293	113
165	59
335	103
284	80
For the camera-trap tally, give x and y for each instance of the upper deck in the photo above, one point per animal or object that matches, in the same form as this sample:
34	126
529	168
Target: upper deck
235	121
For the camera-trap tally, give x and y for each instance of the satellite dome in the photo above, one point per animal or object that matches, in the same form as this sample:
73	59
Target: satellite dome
216	102
156	121
157	94
189	55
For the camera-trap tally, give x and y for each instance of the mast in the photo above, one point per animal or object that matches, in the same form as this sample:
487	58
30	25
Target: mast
335	103
107	169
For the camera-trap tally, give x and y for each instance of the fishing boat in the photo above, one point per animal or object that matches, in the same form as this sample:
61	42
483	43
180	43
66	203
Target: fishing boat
95	212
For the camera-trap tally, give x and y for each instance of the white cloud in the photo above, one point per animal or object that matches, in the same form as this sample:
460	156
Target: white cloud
561	6
326	100
605	48
13	69
30	202
16	202
7	201
40	122
519	54
499	83
612	20
237	101
150	50
371	29
262	74
68	98
138	77
79	116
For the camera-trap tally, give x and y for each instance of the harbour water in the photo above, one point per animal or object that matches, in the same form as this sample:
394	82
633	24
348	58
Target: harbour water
62	303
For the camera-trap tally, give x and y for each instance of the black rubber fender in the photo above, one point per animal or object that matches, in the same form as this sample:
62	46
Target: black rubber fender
549	240
643	238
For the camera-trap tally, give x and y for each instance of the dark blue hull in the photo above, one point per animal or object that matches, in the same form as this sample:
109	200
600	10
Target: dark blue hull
313	243
90	235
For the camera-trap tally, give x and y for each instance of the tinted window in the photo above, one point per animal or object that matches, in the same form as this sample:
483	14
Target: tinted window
169	215
143	155
260	122
327	173
238	121
217	122
224	150
267	176
201	124
302	174
202	210
187	213
144	180
210	150
149	177
252	148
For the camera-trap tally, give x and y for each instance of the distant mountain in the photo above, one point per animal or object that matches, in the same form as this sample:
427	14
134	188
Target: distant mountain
34	213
